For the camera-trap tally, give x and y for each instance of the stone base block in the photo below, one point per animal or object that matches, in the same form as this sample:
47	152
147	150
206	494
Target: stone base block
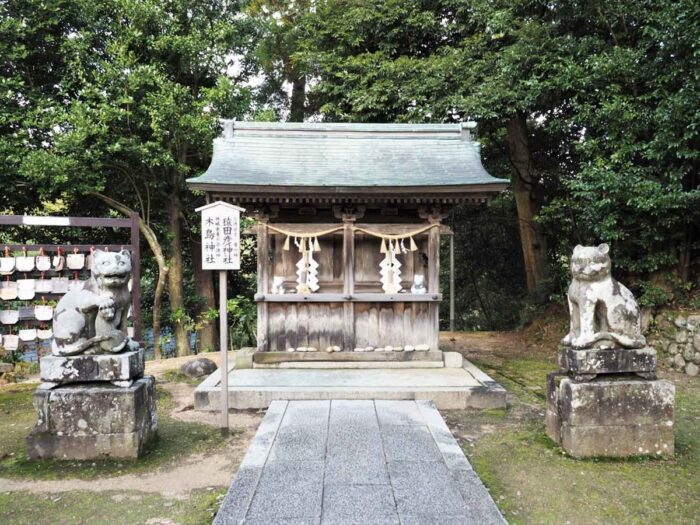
90	368
93	421
612	417
593	361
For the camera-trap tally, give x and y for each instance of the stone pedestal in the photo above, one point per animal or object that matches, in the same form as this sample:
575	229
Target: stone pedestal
93	407
590	362
613	416
93	421
63	370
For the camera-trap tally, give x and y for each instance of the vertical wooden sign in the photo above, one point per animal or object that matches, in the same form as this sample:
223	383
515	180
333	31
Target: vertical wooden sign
221	250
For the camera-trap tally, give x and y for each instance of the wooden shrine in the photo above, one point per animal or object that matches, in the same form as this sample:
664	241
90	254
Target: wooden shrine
348	224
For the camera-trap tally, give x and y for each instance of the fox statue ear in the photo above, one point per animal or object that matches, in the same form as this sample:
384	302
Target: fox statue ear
577	248
603	248
125	253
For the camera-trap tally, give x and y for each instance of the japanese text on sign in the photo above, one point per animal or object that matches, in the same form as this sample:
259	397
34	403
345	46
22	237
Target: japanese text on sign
221	248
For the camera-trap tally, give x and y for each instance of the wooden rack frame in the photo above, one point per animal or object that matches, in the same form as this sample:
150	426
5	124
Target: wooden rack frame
89	222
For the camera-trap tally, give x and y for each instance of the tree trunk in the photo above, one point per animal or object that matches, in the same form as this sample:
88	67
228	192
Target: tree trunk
157	250
527	201
175	276
298	101
207	334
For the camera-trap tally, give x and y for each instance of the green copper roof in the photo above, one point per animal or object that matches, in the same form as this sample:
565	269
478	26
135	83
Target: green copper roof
351	156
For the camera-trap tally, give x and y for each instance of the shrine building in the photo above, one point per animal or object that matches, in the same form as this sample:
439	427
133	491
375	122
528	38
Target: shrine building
348	219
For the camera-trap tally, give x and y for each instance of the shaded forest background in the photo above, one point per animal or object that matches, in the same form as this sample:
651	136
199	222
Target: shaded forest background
589	108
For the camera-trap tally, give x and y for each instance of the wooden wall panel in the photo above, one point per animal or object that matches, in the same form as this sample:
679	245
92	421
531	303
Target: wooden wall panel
302	325
291	326
361	324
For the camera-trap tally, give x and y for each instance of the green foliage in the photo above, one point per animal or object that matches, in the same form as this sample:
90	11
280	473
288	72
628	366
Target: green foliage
653	296
489	289
243	322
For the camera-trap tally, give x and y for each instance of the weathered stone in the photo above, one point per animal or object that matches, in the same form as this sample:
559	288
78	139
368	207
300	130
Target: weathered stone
672	348
692	369
93	421
453	359
681	336
645	319
618	441
202	366
679	361
663	323
90	318
615	418
696	358
693	322
243	360
5	368
127	366
607	360
594	294
680	322
688	353
696	342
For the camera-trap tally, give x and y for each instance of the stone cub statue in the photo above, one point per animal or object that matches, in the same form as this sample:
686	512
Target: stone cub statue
92	320
603	312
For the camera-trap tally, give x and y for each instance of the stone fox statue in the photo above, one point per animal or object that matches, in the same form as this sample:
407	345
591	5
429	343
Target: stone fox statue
603	312
92	320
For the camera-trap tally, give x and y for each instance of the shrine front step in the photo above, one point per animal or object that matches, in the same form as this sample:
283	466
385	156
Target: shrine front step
448	388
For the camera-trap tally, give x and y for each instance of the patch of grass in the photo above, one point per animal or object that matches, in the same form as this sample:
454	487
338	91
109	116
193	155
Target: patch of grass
108	508
175	438
175	376
534	482
525	377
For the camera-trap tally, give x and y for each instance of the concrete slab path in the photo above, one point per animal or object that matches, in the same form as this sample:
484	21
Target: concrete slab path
364	462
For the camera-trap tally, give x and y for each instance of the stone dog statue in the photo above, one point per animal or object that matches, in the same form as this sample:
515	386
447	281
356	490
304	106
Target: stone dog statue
92	320
603	312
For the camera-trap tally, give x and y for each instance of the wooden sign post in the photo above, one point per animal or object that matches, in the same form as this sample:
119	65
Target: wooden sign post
221	250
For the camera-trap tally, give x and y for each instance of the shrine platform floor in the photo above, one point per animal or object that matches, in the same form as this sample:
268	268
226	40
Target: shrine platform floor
340	462
459	387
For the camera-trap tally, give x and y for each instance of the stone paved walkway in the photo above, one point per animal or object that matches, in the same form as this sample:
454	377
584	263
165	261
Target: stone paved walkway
356	462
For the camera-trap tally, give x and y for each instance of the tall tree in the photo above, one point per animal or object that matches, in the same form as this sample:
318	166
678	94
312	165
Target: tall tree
274	52
138	117
592	104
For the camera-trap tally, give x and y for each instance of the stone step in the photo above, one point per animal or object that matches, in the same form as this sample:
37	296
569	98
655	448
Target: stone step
448	388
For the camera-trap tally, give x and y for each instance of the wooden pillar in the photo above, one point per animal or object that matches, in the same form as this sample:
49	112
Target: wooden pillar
434	282
452	282
349	281
434	217
223	348
263	280
136	275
